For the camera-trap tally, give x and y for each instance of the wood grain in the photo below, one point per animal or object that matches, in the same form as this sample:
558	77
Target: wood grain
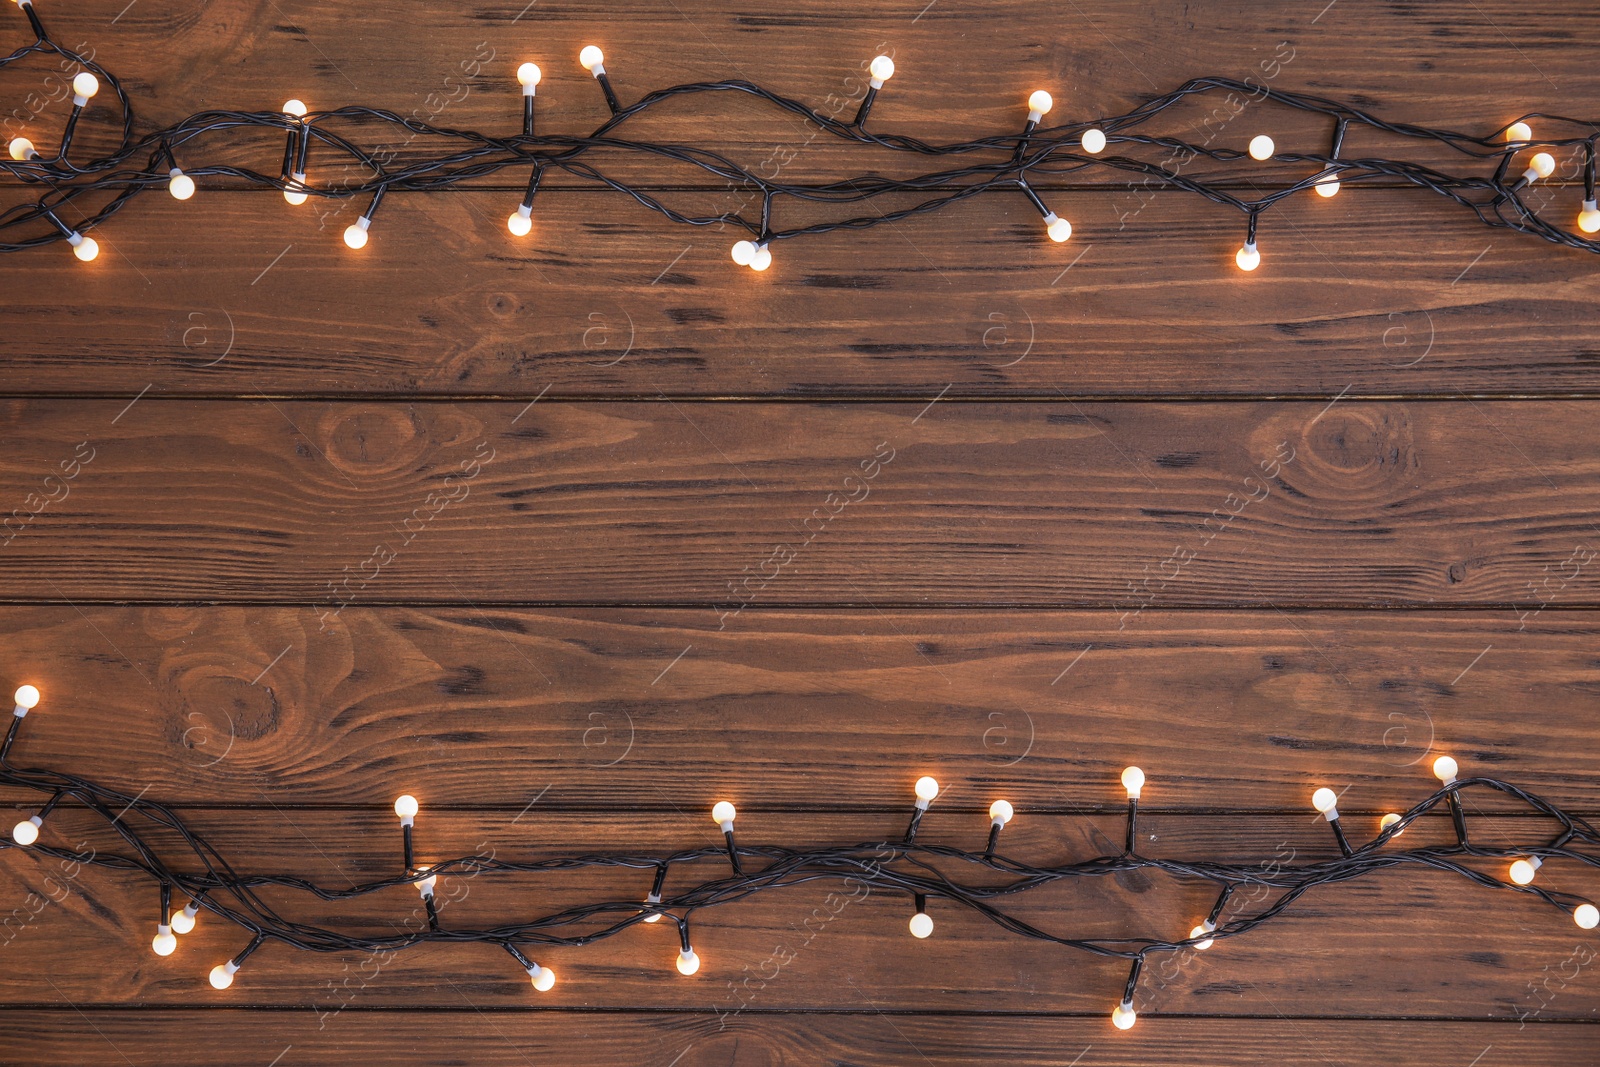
658	710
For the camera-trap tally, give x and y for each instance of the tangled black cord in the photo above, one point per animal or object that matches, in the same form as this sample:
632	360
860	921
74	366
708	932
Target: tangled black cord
887	866
1035	152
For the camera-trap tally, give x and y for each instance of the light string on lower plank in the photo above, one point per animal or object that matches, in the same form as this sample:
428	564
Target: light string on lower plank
902	867
1011	161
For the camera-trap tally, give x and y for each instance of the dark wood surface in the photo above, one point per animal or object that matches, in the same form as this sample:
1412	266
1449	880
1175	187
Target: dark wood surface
574	535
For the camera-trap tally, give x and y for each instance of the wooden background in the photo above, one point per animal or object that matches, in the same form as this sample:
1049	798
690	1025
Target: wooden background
263	601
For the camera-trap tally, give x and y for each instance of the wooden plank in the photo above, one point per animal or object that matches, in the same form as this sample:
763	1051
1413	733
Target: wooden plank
1407	943
1127	507
1372	293
496	1038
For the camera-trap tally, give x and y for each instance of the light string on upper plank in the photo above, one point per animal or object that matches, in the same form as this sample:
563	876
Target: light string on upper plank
90	192
898	867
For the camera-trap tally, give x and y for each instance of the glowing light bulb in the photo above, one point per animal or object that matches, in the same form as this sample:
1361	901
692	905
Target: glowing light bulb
762	259
355	234
1247	257
1519	131
294	194
1327	187
1542	165
1094	142
1388	821
1444	769
653	898
543	977
881	69
921	925
927	788
84	86
723	814
1133	781
1588	218
1039	105
688	962
26	832
1058	228
528	75
181	186
1522	871
1261	147
1123	1016
22	148
222	975
425	887
1201	931
182	922
406	807
521	221
592	60
744	252
1586	916
1000	812
294	109
27	697
164	943
85	248
1326	800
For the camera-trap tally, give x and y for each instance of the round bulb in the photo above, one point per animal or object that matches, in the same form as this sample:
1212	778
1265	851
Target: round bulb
688	962
355	236
1059	230
1201	931
1094	142
1522	872
1041	102
1519	131
1543	163
519	224
921	925
164	944
529	74
1586	916
722	812
25	832
85	84
295	108
221	978
1124	1017
26	696
1000	811
927	788
1388	821
86	249
1444	768
20	147
744	252
1261	147
591	57
1589	217
182	922
544	979
1328	187
181	187
294	197
1248	258
1324	799
1133	780
761	260
882	68
406	807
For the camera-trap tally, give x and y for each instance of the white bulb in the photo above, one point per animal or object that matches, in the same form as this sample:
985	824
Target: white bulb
1000	811
425	887
85	84
882	69
1388	821
543	977
26	696
1543	164
653	898
181	186
927	788
1261	147
1324	800
688	962
1586	916
1094	142
164	943
221	976
1589	217
355	234
1519	131
591	57
520	224
1522	872
1444	769
25	832
1201	931
761	260
921	925
406	807
743	252
529	74
1328	187
21	148
295	108
1133	781
1041	102
722	812
182	921
86	249
1123	1016
1247	257
1058	228
295	195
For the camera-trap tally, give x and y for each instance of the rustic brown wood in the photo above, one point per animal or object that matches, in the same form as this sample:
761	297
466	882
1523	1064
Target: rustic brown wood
656	709
1125	507
497	1038
1419	948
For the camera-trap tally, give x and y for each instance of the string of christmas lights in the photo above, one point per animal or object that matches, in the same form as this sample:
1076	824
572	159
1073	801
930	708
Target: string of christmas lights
901	867
1013	159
